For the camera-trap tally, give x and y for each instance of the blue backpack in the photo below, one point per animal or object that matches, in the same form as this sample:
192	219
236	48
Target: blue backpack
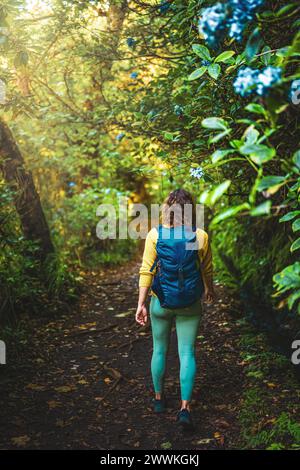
178	281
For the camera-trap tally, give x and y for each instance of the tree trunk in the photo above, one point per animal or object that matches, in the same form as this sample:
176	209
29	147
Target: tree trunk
27	200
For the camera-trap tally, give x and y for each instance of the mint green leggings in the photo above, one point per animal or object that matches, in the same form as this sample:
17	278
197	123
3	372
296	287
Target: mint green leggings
187	321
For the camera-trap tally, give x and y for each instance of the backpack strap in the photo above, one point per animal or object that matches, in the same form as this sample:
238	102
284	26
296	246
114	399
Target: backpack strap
159	229
154	265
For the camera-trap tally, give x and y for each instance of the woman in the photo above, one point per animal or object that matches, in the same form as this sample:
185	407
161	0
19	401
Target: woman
180	288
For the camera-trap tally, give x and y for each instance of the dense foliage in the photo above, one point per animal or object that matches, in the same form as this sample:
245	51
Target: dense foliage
110	99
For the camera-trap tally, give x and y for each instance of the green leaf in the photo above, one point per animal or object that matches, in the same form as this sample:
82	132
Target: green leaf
219	136
253	45
296	158
166	445
214	123
224	56
262	209
201	51
282	11
230	212
289	216
296	225
219	191
258	153
288	278
214	70
168	136
197	73
251	135
295	245
293	298
266	55
256	108
269	182
220	154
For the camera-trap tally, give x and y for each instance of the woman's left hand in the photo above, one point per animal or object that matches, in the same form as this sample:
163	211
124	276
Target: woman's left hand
141	315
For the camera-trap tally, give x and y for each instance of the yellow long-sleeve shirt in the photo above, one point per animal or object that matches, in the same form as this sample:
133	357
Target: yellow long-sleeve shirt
149	256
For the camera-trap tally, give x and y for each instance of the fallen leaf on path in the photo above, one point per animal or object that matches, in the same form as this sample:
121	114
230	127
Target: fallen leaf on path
203	441
166	445
65	389
36	387
20	441
82	382
124	314
87	325
219	437
53	404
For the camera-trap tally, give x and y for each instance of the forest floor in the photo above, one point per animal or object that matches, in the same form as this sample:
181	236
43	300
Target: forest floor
82	381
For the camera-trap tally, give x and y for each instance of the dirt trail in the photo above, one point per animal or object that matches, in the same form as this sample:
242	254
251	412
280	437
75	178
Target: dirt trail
83	380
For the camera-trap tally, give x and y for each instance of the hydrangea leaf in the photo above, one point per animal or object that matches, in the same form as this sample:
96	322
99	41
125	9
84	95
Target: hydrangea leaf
215	123
224	56
197	73
296	158
201	51
219	191
251	135
220	154
230	212
271	182
254	44
256	108
214	70
258	153
296	225
262	209
289	216
295	245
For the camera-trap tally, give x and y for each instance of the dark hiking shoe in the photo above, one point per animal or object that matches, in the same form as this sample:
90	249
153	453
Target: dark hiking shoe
184	420
159	406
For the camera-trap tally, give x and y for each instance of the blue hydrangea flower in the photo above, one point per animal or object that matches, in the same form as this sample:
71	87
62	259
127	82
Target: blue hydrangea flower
197	172
256	81
134	75
227	18
267	78
245	82
130	42
178	110
212	23
242	11
120	136
294	93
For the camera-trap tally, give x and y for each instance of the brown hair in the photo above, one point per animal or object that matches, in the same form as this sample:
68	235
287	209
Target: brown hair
179	209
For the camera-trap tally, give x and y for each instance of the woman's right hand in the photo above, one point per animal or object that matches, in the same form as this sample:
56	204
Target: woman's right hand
141	314
209	294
